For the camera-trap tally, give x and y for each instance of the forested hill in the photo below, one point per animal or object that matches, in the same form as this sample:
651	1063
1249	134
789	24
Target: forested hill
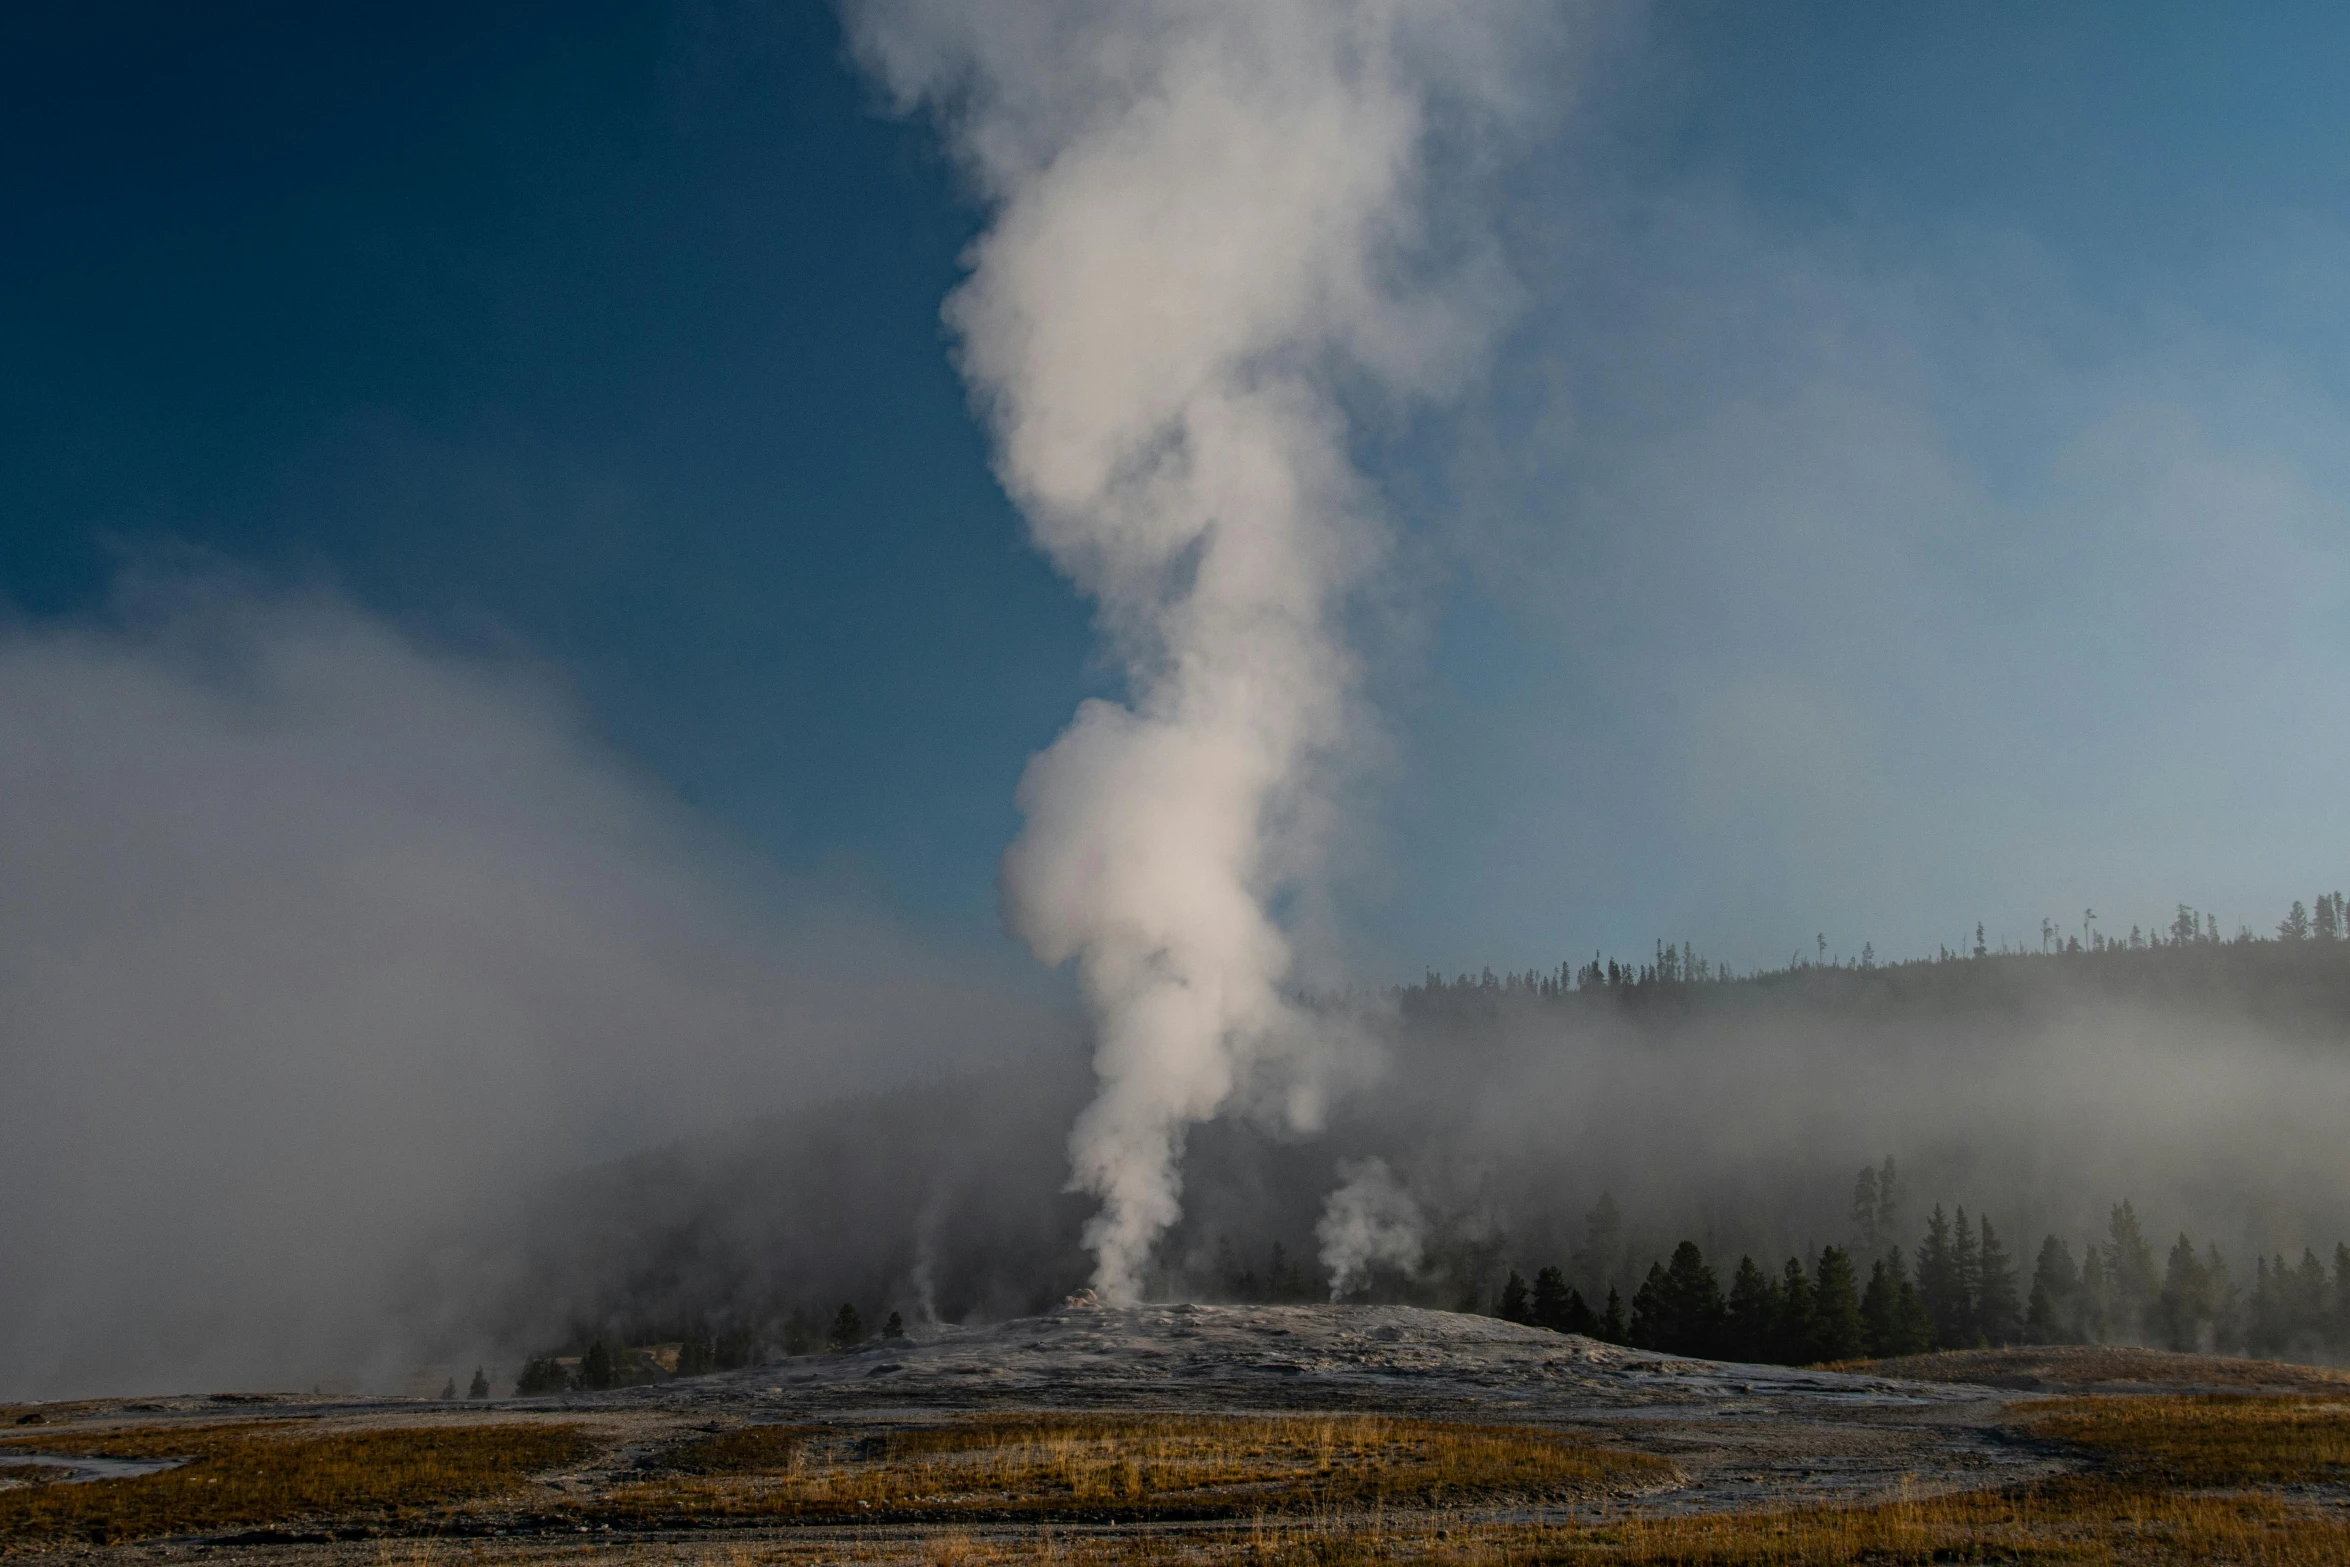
2296	981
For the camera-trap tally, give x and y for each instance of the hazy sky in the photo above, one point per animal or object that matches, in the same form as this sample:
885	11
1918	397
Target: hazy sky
1907	488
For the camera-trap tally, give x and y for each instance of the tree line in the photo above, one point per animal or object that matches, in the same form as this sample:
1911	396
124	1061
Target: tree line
1672	965
1957	1290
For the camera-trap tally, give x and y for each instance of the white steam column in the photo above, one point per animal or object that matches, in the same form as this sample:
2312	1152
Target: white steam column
1201	213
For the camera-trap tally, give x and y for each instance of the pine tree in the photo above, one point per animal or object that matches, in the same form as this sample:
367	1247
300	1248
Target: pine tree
895	1327
541	1374
1888	1206
479	1387
1753	1313
1864	1212
1550	1300
2130	1276
1968	1253
1836	1324
1999	1315
848	1329
595	1367
2095	1302
1612	1327
1698	1309
2185	1302
1791	1333
449	1390
1513	1305
1652	1311
2054	1314
2295	925
1941	1283
1893	1318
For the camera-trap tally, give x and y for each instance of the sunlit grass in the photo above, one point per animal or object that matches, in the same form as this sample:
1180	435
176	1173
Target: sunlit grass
1128	1466
2214	1440
261	1473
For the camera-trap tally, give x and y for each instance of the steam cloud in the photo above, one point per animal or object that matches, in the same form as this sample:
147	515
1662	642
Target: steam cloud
1370	1220
320	944
1207	214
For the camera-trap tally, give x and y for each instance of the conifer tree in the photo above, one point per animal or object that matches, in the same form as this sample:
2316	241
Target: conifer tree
595	1367
1836	1324
2130	1278
1888	1206
2184	1305
1652	1311
895	1327
848	1329
1969	1256
1941	1283
1550	1300
1697	1303
449	1389
2053	1316
1893	1317
1612	1327
479	1387
1513	1304
1999	1315
1791	1333
1864	1212
2095	1302
1753	1314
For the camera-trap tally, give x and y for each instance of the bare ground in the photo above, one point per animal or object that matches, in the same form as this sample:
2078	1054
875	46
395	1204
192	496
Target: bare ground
1739	1436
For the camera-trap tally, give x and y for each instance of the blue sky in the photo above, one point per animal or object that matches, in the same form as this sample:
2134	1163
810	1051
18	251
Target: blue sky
1906	491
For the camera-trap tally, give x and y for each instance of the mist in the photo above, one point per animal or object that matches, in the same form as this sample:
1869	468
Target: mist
321	942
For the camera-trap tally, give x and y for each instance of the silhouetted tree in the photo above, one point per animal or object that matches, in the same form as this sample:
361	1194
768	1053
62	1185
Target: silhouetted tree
895	1327
848	1329
595	1367
1512	1305
1999	1315
1942	1284
1969	1256
479	1387
1836	1324
2129	1274
541	1374
1792	1325
2054	1313
1612	1326
2185	1305
1753	1311
1894	1319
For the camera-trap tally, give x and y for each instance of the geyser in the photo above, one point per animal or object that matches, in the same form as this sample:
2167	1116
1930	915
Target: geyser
1205	216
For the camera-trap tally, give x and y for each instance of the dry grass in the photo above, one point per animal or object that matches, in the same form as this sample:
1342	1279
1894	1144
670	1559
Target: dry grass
2213	1440
1124	1467
273	1473
2092	1368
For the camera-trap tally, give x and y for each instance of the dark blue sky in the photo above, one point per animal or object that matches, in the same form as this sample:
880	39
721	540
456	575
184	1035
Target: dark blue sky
2012	336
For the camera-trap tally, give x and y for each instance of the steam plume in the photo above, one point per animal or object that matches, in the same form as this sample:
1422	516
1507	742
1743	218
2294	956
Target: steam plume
1369	1220
1204	213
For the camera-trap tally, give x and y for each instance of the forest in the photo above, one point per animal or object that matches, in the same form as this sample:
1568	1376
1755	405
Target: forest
2125	1138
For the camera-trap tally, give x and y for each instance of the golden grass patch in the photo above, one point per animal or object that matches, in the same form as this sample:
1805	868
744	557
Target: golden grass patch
2210	1440
1124	1466
261	1473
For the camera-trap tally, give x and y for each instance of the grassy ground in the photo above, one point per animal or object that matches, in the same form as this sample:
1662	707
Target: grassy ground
2164	1480
269	1473
1134	1467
